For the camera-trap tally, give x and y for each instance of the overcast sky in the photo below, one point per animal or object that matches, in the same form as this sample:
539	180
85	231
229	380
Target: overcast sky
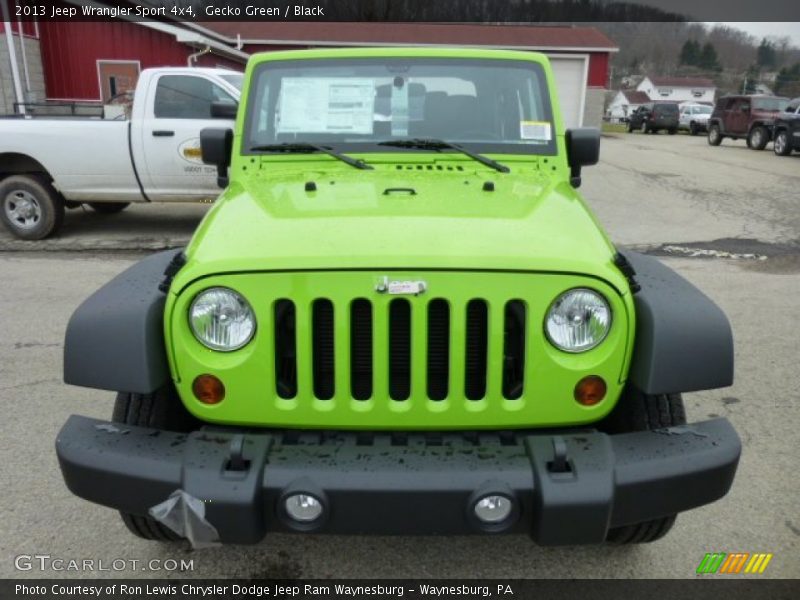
760	30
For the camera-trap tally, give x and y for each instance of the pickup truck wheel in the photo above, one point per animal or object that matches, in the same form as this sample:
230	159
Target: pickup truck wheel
109	208
162	409
757	138
781	145
636	411
714	135
32	209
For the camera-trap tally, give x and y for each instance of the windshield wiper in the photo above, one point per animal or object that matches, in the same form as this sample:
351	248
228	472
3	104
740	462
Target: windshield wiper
431	144
304	147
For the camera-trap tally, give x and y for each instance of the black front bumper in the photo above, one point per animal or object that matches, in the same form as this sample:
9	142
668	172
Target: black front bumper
567	488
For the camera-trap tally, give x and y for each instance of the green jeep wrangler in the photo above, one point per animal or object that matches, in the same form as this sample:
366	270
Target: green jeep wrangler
399	318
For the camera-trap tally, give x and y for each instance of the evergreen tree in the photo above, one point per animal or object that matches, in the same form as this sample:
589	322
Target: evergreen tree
787	83
767	57
708	58
690	53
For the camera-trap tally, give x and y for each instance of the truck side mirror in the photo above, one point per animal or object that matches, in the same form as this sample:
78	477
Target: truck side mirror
583	149
224	110
216	146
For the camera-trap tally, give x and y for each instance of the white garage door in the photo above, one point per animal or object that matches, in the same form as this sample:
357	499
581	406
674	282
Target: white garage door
570	74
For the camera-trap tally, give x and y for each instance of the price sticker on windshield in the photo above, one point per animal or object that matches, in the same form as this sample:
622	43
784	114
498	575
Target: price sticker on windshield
538	131
326	105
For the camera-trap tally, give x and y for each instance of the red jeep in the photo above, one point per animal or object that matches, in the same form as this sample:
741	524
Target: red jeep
749	117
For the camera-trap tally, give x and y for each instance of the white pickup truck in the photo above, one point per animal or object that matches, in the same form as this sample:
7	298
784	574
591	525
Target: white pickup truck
48	164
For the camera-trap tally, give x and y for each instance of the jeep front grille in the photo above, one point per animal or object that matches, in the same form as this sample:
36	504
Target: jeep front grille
335	350
380	344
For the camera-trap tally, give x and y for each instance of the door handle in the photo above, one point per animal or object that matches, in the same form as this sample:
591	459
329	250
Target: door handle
163	133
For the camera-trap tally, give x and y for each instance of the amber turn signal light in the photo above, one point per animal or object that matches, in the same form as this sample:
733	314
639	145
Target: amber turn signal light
590	390
208	389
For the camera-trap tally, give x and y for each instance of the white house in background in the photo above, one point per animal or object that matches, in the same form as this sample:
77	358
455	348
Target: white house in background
624	103
678	89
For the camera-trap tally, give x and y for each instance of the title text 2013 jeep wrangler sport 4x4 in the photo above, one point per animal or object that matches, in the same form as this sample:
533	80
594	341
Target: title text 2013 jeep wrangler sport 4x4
399	317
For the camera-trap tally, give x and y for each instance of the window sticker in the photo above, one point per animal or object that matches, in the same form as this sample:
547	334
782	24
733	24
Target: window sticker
326	105
538	131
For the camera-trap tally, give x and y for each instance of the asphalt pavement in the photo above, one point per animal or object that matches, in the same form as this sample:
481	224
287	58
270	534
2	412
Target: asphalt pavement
726	218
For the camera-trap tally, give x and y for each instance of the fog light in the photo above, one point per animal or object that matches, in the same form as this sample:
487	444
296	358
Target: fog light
590	390
303	508
208	389
493	509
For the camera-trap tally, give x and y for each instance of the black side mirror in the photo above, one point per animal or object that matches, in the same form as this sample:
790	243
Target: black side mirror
583	149
216	146
224	110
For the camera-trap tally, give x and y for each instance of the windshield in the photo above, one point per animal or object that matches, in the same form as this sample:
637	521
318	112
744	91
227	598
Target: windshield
702	110
770	103
355	104
235	79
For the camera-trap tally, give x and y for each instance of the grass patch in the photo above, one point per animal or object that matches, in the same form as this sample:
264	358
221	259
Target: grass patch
614	128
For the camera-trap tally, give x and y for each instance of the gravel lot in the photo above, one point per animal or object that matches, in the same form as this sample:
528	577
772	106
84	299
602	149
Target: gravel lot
671	195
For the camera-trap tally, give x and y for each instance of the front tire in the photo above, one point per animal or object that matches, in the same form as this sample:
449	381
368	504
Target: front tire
109	208
757	138
782	146
714	135
637	411
31	207
162	410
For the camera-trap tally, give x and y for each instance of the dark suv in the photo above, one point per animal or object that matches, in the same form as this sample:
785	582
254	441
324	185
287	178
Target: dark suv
786	136
654	116
748	117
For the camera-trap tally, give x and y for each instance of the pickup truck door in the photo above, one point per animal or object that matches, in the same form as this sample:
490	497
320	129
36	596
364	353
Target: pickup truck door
168	156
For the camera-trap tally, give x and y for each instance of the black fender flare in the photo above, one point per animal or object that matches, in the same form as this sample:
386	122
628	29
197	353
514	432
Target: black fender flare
683	341
115	338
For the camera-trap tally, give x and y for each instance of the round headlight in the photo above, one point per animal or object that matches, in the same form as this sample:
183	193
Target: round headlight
221	319
578	320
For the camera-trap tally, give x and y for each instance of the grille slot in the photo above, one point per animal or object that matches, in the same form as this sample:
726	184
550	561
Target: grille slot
438	348
399	349
475	350
322	343
361	349
285	349
514	350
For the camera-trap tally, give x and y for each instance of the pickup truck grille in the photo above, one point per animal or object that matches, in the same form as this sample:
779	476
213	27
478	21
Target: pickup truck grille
379	340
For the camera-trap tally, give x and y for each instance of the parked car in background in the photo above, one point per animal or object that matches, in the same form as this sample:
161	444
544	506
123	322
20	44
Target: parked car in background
51	163
748	117
786	136
655	116
694	118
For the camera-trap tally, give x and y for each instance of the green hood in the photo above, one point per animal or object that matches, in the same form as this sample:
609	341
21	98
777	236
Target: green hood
530	222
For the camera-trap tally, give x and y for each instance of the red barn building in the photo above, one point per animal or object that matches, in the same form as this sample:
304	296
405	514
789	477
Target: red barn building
92	61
